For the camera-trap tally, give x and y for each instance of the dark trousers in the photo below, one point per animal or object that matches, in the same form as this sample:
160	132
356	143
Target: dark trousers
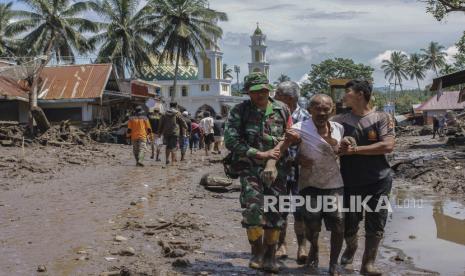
374	221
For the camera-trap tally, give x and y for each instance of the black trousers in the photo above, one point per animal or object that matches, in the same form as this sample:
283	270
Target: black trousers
375	221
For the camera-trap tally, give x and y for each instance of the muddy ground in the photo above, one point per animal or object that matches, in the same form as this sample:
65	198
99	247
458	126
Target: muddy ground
87	210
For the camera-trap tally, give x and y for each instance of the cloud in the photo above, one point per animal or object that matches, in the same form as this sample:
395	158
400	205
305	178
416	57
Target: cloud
310	14
274	7
378	60
450	54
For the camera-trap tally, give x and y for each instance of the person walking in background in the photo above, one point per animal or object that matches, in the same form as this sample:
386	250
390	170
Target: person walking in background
170	127
195	135
206	125
154	119
435	126
218	132
185	135
139	130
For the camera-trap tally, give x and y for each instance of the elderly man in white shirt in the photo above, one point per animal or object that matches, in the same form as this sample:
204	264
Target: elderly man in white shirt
206	125
318	141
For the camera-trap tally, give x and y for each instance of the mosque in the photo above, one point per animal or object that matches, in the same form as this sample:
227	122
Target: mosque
203	87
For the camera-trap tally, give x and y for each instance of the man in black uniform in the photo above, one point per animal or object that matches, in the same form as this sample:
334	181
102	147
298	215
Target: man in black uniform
365	170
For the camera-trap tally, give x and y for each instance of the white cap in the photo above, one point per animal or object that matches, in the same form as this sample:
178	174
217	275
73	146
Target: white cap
185	113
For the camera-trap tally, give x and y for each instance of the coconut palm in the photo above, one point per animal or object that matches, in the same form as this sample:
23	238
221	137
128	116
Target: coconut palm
416	68
7	43
53	26
227	72
435	57
396	68
189	26
127	34
448	69
282	78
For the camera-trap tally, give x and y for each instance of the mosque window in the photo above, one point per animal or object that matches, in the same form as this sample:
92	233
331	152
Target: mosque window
171	91
184	91
257	56
224	87
207	68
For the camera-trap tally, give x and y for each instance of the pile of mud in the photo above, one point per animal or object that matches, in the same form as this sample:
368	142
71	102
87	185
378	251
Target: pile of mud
443	174
63	134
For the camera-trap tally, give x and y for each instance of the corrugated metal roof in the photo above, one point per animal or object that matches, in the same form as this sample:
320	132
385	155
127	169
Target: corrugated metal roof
448	100
74	81
10	89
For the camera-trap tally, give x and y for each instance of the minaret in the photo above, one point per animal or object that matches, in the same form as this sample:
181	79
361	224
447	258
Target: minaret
258	49
211	64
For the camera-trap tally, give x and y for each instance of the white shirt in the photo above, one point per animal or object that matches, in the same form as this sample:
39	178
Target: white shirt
206	124
322	171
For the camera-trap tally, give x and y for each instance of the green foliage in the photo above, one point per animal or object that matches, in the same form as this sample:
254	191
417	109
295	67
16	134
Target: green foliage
434	56
127	34
395	68
187	26
416	68
320	74
53	27
403	100
227	72
7	44
282	78
440	8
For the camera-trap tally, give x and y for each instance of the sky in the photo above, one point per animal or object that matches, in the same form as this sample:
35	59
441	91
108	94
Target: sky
304	32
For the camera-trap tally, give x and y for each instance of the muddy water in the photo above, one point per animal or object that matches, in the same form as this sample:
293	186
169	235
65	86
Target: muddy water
429	229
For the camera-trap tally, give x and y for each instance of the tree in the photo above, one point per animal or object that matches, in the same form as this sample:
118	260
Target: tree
320	74
282	78
396	68
434	56
7	43
227	72
53	27
440	8
416	68
127	36
189	26
448	69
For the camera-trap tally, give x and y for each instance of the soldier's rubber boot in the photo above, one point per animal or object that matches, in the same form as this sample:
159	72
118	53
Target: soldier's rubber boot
255	236
281	253
312	259
299	229
349	252
271	240
369	255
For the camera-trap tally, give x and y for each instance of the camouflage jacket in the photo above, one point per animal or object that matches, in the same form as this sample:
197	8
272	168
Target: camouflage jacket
262	130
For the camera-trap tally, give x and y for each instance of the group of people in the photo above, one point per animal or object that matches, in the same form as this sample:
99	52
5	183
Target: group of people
289	150
173	130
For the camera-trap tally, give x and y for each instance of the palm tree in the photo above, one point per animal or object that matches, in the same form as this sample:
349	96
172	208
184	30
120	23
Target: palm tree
448	69
227	72
395	68
52	26
416	68
434	56
189	26
6	42
282	78
127	34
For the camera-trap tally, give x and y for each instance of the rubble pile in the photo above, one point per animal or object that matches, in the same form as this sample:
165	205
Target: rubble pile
64	135
407	131
11	133
442	173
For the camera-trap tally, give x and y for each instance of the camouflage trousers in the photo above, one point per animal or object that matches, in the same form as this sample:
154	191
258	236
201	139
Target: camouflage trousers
252	195
138	148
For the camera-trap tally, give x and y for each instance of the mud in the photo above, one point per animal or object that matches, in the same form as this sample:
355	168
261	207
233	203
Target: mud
104	215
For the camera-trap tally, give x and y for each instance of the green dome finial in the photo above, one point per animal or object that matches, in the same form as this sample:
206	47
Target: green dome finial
258	31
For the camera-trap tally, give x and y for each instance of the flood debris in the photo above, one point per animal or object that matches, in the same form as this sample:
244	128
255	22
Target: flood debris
218	184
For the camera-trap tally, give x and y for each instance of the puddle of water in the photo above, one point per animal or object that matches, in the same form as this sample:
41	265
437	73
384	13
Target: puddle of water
434	238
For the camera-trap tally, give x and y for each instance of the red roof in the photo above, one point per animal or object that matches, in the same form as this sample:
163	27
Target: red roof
448	100
10	89
86	81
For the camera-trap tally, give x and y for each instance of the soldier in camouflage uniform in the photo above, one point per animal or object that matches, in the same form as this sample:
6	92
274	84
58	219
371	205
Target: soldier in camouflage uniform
253	133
